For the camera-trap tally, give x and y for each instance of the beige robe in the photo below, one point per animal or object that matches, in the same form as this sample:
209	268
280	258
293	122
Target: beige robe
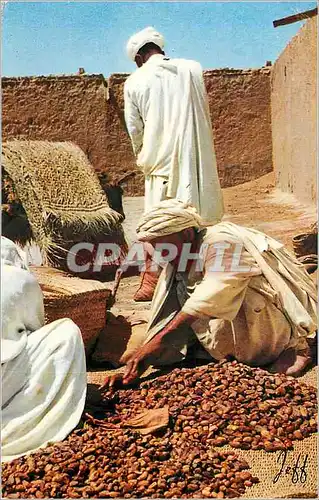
239	312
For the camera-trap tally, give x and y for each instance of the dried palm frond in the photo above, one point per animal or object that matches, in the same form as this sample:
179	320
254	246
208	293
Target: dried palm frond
61	196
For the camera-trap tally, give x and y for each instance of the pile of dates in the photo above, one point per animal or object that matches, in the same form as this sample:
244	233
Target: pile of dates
103	463
230	403
209	406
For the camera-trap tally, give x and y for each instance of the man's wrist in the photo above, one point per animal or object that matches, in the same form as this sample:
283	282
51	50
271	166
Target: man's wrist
178	321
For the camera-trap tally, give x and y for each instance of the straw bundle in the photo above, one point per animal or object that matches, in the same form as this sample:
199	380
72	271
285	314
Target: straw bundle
61	195
83	301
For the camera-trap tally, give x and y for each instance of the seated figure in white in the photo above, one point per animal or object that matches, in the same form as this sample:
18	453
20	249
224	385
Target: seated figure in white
43	366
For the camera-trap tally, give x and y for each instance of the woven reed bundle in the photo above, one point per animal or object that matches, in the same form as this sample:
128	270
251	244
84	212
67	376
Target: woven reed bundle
60	193
83	301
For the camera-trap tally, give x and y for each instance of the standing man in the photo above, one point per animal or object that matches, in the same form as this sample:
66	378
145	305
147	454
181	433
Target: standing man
168	120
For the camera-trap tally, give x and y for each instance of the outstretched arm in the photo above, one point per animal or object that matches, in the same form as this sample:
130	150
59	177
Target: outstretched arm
147	354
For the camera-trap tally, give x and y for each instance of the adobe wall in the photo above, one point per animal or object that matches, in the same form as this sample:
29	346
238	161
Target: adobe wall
239	103
58	108
88	110
294	114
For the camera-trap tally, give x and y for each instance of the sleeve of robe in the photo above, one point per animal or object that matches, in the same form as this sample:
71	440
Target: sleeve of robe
220	294
133	120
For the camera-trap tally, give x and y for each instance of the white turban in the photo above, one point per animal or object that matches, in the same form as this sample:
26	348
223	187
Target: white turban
168	217
137	41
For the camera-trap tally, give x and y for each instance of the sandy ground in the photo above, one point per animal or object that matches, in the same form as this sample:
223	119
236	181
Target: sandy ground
255	204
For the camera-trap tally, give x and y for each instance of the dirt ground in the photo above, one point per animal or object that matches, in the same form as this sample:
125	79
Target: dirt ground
255	204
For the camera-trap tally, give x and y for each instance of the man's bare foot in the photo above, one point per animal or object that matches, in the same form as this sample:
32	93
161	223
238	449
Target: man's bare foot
292	362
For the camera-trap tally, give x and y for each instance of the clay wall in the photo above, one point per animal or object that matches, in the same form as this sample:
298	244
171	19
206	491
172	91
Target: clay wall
88	110
239	103
58	108
294	114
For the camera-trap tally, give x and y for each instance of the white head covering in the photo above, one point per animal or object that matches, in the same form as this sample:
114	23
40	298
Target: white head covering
168	217
137	41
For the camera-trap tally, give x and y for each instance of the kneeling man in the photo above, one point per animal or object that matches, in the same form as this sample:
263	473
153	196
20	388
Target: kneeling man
232	290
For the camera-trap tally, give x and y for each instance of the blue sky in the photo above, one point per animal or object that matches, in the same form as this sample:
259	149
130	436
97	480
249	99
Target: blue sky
41	38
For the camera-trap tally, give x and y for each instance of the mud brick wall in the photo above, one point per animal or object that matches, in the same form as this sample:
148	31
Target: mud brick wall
294	115
89	110
120	158
58	108
239	102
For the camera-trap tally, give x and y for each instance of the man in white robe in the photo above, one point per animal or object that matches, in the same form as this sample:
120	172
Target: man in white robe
43	367
244	296
167	117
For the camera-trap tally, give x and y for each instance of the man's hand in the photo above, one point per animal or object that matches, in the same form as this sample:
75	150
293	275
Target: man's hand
142	359
146	355
112	383
135	367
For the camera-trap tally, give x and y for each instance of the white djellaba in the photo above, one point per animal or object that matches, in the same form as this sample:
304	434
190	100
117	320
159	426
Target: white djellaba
43	367
168	119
